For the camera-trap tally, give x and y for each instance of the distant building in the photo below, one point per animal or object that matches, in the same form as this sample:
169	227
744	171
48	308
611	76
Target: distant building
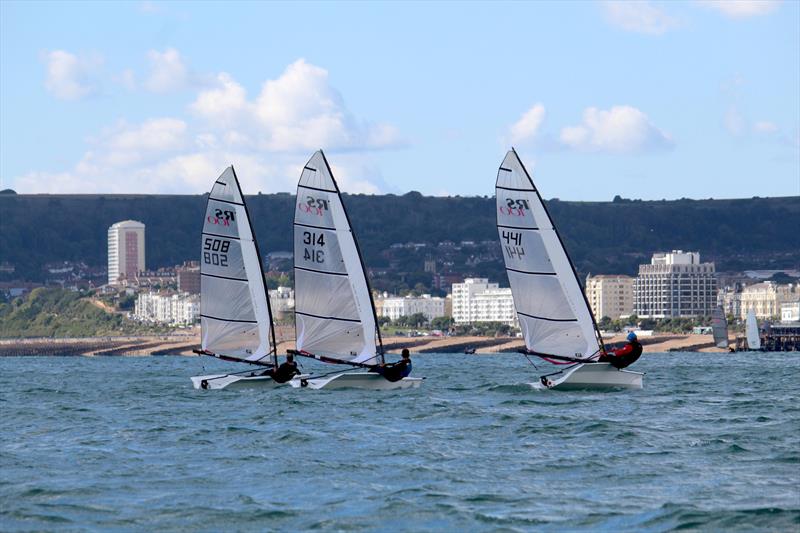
477	300
729	298
610	296
790	312
429	306
766	298
173	309
125	250
675	284
189	277
281	300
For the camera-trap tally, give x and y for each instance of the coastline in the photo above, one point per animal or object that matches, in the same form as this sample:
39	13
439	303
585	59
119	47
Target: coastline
184	344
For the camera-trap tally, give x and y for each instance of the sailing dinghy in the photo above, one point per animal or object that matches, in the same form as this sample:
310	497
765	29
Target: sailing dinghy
751	330
235	316
719	327
553	313
335	318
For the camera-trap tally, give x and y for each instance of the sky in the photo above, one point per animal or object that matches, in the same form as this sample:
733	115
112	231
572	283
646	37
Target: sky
650	100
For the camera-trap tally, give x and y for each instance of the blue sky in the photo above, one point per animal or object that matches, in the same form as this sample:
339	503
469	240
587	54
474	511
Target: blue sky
643	99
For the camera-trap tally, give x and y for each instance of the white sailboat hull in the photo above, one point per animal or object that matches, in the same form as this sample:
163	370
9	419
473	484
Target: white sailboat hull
357	380
592	376
239	381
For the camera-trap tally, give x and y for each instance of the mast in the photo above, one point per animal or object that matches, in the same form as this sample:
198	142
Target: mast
569	259
360	258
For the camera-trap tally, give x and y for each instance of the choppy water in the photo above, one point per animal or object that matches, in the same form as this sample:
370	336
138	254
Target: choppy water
713	442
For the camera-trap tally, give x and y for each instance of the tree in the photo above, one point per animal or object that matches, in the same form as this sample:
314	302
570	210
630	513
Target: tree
417	320
442	322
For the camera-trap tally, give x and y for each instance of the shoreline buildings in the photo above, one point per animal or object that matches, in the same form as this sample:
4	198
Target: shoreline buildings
173	309
610	296
477	300
125	250
675	284
395	307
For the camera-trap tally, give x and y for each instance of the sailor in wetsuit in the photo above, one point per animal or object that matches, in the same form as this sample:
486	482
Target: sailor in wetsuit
625	356
395	371
285	372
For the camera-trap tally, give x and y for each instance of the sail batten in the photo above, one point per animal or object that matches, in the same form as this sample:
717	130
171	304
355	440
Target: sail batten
235	316
553	313
334	313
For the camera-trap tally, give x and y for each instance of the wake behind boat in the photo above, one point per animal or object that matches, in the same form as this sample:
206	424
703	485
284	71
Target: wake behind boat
335	318
556	321
235	316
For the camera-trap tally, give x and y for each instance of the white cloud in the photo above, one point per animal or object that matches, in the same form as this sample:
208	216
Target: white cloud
167	71
638	16
734	121
741	8
621	129
70	77
299	110
765	126
527	127
268	138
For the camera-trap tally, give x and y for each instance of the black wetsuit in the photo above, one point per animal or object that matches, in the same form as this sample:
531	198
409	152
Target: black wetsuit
623	357
395	371
285	372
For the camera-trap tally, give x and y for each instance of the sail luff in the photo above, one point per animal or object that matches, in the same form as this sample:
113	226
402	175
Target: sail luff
552	308
236	320
566	253
360	258
334	311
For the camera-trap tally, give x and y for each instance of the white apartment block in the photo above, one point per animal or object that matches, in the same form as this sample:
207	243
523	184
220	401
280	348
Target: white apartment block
125	250
610	296
790	312
173	309
477	300
766	299
675	284
430	306
281	300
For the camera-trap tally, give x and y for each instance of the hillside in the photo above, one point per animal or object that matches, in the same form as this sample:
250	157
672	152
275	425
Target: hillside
602	237
60	313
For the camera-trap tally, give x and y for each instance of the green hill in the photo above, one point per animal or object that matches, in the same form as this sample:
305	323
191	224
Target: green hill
602	237
59	313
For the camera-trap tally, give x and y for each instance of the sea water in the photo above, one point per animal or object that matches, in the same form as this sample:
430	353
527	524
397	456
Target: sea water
126	444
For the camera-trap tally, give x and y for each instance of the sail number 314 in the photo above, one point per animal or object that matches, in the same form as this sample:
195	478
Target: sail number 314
313	254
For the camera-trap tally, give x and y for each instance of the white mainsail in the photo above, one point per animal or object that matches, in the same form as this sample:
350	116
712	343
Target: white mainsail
719	327
334	312
234	311
553	313
751	327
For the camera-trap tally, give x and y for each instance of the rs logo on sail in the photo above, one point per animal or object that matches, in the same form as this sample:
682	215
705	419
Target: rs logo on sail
514	207
221	218
314	206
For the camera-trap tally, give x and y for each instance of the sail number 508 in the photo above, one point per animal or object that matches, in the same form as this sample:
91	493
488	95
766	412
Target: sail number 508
215	251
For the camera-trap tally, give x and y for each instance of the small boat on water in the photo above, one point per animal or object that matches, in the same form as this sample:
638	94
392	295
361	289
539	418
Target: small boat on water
335	319
719	327
554	315
235	315
751	331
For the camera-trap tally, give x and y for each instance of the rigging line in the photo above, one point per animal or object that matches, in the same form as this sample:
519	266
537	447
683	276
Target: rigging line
316	188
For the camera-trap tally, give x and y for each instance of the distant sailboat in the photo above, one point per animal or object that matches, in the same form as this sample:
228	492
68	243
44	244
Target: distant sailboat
235	316
335	318
719	327
751	328
553	313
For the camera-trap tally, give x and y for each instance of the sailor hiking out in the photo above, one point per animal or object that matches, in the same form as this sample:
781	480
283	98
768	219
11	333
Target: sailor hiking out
395	371
625	356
